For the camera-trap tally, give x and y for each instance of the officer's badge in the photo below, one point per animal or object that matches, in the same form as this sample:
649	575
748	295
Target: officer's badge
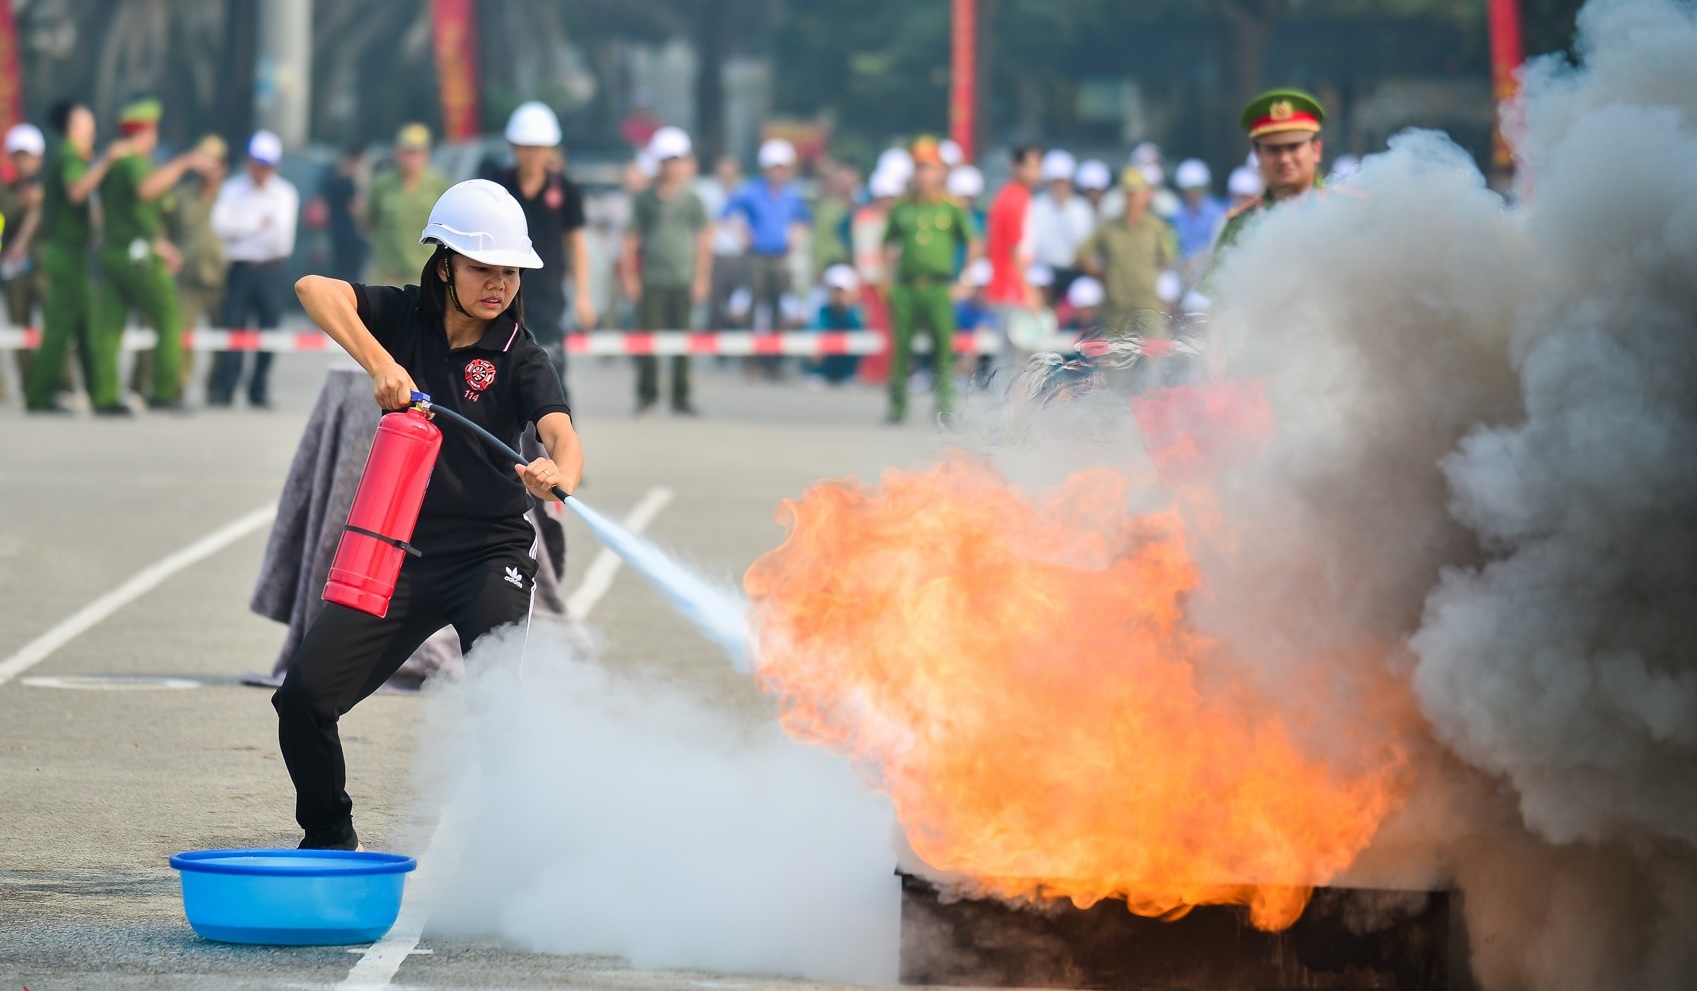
1281	110
480	373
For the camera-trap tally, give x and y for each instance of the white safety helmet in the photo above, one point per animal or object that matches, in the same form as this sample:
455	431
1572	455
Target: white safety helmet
1059	166
842	277
886	183
480	220
950	152
1146	153
1085	292
1040	275
980	272
1093	174
897	162
669	142
1244	181
775	153
533	125
966	182
26	138
1192	173
1153	174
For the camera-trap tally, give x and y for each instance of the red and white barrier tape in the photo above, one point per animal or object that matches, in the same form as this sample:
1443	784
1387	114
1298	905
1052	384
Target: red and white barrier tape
730	343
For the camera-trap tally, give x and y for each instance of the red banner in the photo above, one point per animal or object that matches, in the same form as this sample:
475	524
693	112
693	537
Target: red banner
963	80
455	23
1506	56
11	80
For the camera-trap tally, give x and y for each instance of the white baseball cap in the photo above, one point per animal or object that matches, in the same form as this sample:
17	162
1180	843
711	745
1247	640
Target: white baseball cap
842	277
885	183
27	138
1059	166
966	182
669	142
1093	174
950	152
265	148
776	152
1192	173
1085	292
533	125
1244	181
1146	153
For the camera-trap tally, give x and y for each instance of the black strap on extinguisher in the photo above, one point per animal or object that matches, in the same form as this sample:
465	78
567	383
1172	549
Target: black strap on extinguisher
391	541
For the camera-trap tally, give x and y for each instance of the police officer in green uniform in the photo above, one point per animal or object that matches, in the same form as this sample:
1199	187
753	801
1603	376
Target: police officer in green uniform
1284	128
20	257
137	263
922	245
397	208
67	232
200	279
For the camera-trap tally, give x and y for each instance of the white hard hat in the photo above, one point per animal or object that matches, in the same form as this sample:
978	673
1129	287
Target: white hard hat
885	183
26	137
1093	174
842	277
1244	181
533	125
1169	285
481	220
265	148
979	272
950	152
669	142
896	161
1192	173
1146	153
1040	275
966	182
775	152
1058	165
1153	173
1084	292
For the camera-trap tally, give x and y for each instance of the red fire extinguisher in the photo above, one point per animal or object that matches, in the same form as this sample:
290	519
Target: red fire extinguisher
374	542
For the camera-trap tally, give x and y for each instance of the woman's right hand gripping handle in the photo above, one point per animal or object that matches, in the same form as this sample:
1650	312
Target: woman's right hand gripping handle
330	303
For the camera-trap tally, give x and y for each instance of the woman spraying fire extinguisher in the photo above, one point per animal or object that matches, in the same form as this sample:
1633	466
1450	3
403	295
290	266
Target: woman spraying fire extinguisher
459	336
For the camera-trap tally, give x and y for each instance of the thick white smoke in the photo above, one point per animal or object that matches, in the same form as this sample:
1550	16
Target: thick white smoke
620	814
1485	482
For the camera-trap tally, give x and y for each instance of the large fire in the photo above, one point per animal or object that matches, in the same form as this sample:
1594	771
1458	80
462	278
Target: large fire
1018	674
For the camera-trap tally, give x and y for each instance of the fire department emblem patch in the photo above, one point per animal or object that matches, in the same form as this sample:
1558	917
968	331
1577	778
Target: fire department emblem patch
480	373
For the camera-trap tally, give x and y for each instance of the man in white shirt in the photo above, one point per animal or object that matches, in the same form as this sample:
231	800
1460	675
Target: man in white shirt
1060	221
255	218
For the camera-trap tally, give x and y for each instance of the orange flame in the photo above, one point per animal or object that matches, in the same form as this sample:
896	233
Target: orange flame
1019	676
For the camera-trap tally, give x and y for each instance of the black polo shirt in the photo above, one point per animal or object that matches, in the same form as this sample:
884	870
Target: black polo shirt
502	383
555	211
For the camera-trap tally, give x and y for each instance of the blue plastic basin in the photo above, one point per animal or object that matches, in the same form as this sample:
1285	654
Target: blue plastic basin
292	897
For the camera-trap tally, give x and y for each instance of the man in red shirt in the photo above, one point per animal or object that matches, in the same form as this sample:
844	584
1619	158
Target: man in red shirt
1005	240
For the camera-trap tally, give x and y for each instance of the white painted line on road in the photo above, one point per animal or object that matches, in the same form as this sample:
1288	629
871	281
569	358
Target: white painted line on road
379	964
599	578
145	581
109	682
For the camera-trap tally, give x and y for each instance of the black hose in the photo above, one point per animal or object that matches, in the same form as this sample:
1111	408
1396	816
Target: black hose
493	441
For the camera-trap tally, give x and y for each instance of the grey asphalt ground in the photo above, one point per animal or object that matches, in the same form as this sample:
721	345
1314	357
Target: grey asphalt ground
99	787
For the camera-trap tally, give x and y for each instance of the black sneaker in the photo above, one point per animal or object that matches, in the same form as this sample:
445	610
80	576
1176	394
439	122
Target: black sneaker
52	409
346	841
685	409
168	405
116	409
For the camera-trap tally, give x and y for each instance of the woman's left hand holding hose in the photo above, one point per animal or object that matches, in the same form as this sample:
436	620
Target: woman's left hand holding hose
540	477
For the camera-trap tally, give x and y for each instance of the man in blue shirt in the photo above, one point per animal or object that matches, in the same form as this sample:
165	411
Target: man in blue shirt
1198	218
774	212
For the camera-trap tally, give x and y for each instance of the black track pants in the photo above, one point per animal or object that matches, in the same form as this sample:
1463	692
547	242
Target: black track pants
346	655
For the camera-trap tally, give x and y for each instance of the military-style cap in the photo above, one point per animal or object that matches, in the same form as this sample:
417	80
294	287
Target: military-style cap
926	152
1282	110
213	145
413	137
139	114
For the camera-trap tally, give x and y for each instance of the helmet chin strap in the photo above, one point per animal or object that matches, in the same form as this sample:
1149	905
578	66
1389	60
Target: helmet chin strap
453	295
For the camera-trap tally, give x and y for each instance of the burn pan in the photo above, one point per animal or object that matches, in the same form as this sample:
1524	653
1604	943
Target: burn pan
1348	938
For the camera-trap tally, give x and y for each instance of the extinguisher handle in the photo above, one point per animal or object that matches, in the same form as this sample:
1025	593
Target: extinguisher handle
422	401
